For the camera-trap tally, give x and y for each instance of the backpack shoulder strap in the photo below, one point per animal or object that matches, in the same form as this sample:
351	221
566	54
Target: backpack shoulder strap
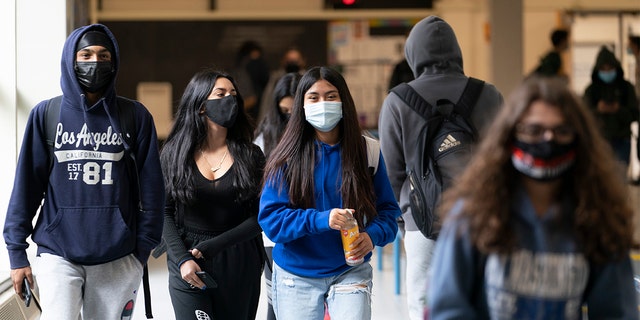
409	95
126	117
51	117
373	152
469	97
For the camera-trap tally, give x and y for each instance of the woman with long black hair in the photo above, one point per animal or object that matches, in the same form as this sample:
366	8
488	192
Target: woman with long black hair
212	172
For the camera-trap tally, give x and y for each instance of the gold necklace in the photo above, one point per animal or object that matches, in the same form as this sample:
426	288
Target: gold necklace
209	163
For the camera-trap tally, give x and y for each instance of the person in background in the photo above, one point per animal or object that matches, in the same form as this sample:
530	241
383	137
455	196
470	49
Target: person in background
317	180
268	134
539	224
401	71
252	75
613	101
434	55
270	129
292	61
212	171
634	49
99	220
551	64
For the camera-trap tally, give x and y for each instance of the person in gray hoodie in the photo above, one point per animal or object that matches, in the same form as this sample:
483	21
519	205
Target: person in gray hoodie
434	55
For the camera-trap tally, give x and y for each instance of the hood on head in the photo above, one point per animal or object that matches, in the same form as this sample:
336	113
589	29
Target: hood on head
432	47
70	86
606	56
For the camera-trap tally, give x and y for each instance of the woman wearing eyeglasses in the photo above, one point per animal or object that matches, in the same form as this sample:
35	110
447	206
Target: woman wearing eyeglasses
539	225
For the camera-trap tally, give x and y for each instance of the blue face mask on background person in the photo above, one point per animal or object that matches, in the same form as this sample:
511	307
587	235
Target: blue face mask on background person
323	115
222	111
607	76
543	161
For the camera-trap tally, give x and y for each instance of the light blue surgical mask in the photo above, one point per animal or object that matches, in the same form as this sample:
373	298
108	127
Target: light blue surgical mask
323	115
607	76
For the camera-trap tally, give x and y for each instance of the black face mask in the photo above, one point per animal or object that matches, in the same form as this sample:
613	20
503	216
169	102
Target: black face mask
291	66
94	75
285	117
544	161
222	111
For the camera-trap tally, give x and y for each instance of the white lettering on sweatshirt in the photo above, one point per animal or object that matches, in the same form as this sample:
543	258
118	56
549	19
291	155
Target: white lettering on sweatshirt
84	137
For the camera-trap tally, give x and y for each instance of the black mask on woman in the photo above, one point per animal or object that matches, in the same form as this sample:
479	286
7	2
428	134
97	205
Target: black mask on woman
222	111
94	75
285	117
291	67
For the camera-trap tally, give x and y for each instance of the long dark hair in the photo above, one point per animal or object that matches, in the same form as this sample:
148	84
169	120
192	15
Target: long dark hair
274	122
602	215
295	153
189	133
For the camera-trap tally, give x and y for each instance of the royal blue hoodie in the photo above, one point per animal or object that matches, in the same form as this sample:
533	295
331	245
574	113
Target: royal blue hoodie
90	211
305	244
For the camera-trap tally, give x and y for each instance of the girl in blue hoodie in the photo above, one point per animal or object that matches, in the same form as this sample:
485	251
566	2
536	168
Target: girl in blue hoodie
315	179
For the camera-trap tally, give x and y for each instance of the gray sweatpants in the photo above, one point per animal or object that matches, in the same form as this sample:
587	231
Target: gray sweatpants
70	291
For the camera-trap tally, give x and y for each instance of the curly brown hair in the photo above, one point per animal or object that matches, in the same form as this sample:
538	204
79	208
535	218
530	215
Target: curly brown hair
602	216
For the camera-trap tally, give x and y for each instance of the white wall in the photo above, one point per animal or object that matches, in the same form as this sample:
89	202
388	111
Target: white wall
7	113
33	32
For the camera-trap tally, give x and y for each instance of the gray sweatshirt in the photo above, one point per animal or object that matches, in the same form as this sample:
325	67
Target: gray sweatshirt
434	56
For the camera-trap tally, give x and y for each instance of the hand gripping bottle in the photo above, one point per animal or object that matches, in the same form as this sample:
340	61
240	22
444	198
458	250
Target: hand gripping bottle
349	235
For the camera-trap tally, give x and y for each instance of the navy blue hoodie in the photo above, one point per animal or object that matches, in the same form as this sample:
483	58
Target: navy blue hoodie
90	211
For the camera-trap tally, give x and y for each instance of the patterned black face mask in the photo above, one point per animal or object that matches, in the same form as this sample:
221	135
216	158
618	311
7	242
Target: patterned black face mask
544	161
222	111
94	75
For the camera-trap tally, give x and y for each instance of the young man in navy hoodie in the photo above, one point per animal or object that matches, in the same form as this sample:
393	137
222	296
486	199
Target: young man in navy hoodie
99	221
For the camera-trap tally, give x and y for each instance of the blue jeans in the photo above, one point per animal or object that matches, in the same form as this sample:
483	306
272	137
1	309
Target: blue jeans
347	295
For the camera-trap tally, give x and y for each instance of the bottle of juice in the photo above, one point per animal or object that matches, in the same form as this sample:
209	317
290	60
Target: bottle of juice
349	235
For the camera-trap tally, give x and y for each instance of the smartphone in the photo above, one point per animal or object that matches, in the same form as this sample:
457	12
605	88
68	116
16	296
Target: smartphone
26	292
207	279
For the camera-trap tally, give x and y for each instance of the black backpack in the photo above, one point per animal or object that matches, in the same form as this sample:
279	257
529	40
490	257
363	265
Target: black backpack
127	121
448	137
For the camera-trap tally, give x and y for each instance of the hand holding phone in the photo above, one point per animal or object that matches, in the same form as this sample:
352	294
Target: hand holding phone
207	279
26	292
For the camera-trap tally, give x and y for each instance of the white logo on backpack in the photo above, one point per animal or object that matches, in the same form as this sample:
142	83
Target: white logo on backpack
448	143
